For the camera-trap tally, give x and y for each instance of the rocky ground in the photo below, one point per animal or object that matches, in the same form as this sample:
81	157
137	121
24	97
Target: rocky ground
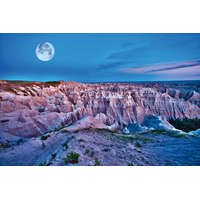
94	147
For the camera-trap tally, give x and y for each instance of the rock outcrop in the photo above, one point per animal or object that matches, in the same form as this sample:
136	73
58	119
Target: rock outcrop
29	109
151	121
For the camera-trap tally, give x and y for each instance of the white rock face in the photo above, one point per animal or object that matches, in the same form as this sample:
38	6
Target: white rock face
85	123
125	130
156	123
195	133
137	128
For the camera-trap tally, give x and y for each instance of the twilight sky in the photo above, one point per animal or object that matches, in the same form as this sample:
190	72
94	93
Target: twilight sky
102	57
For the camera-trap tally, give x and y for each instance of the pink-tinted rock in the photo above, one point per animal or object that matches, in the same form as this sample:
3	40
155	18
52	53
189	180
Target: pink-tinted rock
33	108
85	123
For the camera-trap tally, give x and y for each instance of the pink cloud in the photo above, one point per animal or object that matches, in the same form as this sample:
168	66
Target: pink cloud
189	68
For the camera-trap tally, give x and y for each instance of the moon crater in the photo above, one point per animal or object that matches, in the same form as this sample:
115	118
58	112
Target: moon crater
45	51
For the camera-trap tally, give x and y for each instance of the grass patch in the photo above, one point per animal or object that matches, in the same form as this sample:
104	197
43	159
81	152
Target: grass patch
81	140
105	130
142	159
43	163
72	157
53	155
45	137
130	164
133	138
4	146
137	144
65	131
157	131
180	135
65	145
97	162
106	150
168	133
87	151
92	154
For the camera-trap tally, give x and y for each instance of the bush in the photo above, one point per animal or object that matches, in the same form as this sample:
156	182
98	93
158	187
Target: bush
137	144
72	157
86	151
3	146
186	124
106	150
45	137
97	162
53	155
92	154
43	163
81	140
65	145
130	164
65	131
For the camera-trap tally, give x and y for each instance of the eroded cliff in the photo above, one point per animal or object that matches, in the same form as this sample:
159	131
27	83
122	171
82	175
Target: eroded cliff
29	109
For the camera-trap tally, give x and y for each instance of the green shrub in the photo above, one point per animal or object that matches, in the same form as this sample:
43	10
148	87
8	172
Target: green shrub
86	151
92	154
43	163
97	162
133	137
130	164
65	131
81	140
137	144
45	137
106	150
186	124
53	155
72	157
3	146
65	145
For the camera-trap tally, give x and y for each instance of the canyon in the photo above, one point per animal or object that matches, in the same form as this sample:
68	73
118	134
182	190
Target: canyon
29	110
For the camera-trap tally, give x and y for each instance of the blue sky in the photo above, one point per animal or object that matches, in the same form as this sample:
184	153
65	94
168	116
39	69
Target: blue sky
102	57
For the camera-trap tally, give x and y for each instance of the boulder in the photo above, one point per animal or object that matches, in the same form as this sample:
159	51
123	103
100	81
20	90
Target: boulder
137	128
155	122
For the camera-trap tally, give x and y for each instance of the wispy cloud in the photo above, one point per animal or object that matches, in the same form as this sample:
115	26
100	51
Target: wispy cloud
124	56
113	64
129	50
140	52
177	66
182	68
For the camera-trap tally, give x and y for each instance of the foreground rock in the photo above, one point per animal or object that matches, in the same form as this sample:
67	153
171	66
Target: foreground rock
95	147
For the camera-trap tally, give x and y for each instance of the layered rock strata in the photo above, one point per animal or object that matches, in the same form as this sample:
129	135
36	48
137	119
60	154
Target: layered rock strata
30	109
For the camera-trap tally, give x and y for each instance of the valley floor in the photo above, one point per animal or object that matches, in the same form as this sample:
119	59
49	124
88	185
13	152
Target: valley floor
100	147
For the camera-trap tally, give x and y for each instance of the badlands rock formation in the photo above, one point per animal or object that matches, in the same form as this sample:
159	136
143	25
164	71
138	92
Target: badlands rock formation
29	109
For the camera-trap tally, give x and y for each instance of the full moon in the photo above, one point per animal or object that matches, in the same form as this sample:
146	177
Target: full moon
45	51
